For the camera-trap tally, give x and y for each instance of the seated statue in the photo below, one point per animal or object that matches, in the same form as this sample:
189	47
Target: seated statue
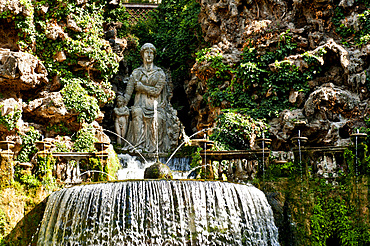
150	84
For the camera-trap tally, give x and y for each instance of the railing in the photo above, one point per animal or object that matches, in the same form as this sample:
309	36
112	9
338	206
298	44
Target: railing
140	11
242	165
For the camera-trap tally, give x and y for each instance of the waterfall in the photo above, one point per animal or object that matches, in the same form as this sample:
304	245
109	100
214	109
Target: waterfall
133	168
158	212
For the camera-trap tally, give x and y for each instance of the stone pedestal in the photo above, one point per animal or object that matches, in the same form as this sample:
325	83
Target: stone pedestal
6	163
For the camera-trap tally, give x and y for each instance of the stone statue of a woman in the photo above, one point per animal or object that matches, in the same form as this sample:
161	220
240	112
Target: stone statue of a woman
149	83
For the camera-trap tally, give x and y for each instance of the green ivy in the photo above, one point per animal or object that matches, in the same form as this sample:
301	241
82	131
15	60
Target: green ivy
28	148
76	98
61	147
59	128
45	165
174	29
30	180
10	120
350	35
195	157
85	139
87	45
252	86
364	34
96	164
120	15
278	170
335	215
234	130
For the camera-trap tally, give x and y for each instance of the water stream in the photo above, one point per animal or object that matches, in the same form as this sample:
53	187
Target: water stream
133	168
158	213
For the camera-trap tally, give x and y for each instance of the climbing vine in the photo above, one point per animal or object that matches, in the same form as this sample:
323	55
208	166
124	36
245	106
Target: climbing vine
28	148
235	130
85	139
76	98
252	86
174	29
68	38
336	215
44	168
350	34
118	15
10	120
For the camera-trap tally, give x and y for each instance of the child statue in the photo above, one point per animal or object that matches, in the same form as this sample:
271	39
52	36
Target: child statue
121	113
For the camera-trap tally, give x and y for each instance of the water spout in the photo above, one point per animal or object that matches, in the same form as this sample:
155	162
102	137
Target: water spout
128	143
186	141
263	156
356	155
97	171
155	126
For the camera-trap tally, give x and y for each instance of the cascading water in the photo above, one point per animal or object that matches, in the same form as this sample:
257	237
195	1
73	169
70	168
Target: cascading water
132	167
158	213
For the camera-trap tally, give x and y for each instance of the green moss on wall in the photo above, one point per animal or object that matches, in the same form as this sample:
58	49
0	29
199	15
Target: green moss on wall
321	211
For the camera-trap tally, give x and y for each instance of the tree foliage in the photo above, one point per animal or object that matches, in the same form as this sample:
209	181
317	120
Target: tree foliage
174	29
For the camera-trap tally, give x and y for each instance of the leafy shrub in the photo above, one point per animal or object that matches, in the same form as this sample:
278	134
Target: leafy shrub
85	139
334	214
76	98
3	223
174	29
235	130
252	86
88	57
10	120
29	180
348	33
28	148
118	14
44	167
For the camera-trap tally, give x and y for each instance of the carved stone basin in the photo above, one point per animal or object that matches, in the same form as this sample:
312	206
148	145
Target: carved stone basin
201	142
43	145
101	146
301	140
359	136
263	142
280	161
7	145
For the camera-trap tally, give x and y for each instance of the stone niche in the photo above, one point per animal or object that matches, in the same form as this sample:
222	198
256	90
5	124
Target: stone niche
8	35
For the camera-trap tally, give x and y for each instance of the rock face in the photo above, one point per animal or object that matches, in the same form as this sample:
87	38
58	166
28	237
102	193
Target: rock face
35	59
50	107
21	71
336	101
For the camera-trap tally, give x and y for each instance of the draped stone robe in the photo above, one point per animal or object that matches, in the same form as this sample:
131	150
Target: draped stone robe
142	133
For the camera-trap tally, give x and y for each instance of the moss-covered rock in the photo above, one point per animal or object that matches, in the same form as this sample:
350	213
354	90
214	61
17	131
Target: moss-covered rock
158	171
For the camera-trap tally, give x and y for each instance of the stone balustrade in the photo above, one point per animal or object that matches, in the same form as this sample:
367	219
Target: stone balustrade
68	168
242	165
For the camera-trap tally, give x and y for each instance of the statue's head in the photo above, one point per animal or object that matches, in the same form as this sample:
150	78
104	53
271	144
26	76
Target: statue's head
147	46
120	100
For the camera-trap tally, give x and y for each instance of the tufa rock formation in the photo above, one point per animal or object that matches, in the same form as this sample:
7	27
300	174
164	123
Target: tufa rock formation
337	99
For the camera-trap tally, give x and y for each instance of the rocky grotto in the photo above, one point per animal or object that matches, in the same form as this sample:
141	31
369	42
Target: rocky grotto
264	101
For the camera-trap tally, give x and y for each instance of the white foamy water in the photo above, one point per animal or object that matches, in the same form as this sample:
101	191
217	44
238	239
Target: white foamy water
133	167
158	213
